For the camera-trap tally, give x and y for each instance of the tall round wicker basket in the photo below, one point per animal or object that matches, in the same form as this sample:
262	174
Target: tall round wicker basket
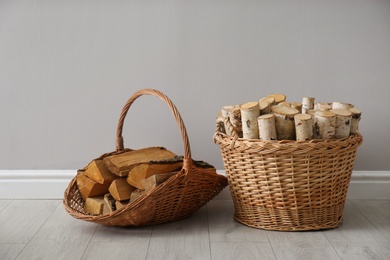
288	185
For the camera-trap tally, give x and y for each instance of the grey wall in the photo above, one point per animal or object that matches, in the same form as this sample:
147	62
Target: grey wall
67	68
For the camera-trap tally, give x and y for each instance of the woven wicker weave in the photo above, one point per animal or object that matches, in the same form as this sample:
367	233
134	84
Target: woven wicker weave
177	198
288	185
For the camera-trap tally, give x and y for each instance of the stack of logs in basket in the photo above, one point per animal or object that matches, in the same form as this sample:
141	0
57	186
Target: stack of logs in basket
273	118
110	183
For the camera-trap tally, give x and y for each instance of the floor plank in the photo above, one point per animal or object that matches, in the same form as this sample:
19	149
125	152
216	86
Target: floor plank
223	227
363	251
61	237
136	249
241	250
10	251
21	219
4	204
355	228
185	239
378	212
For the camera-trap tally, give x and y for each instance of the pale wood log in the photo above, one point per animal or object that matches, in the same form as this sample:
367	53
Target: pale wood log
94	205
278	98
265	107
303	127
285	103
324	125
225	114
343	122
109	204
249	113
235	119
341	105
322	106
267	129
307	103
88	187
269	99
145	170
356	116
155	180
120	189
121	164
311	112
284	122
97	171
297	105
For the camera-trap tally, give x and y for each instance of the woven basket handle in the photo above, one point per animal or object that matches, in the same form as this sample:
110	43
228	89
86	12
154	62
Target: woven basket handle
175	112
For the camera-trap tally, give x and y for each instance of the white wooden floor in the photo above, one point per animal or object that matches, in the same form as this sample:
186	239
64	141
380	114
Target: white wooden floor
41	229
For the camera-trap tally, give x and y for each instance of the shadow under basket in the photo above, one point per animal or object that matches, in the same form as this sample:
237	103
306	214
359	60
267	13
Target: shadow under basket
288	185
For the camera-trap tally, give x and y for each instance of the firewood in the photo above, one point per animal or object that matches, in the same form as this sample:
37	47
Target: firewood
267	129
135	194
277	98
225	114
324	125
120	204
341	105
265	107
90	188
121	164
303	127
307	103
97	171
249	113
109	204
145	170
120	189
356	115
297	106
343	122
284	122
155	180
94	205
322	106
284	103
269	99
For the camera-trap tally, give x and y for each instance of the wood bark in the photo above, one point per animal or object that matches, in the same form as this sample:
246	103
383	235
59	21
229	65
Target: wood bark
121	164
356	116
343	122
120	189
249	113
220	125
225	114
324	125
267	129
284	122
303	127
307	103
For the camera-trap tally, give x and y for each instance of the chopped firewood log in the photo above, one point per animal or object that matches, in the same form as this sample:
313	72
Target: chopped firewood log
249	113
356	115
267	129
135	194
324	125
121	164
120	204
155	180
341	105
97	171
265	107
145	170
109	204
343	122
284	122
277	98
120	189
303	127
307	103
94	205
90	188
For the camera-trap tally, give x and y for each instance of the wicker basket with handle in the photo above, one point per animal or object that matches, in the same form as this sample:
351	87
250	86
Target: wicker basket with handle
288	185
177	198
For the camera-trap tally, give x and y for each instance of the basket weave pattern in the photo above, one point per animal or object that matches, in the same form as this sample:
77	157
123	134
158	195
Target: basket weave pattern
177	198
288	185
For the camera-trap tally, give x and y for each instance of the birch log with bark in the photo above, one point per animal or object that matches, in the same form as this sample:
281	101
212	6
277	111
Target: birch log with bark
270	100
343	122
307	103
278	98
324	125
225	114
341	105
267	129
249	113
297	105
284	122
265	107
303	127
356	115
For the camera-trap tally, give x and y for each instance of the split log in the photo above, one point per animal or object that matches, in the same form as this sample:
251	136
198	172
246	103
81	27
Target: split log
267	129
145	170
135	194
120	204
249	113
109	204
324	125
297	106
94	205
265	107
97	171
343	122
303	127
284	122
341	105
278	98
155	180
120	189
121	164
90	188
307	103
356	116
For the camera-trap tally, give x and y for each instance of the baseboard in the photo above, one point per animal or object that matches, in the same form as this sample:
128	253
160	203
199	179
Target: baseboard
51	184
